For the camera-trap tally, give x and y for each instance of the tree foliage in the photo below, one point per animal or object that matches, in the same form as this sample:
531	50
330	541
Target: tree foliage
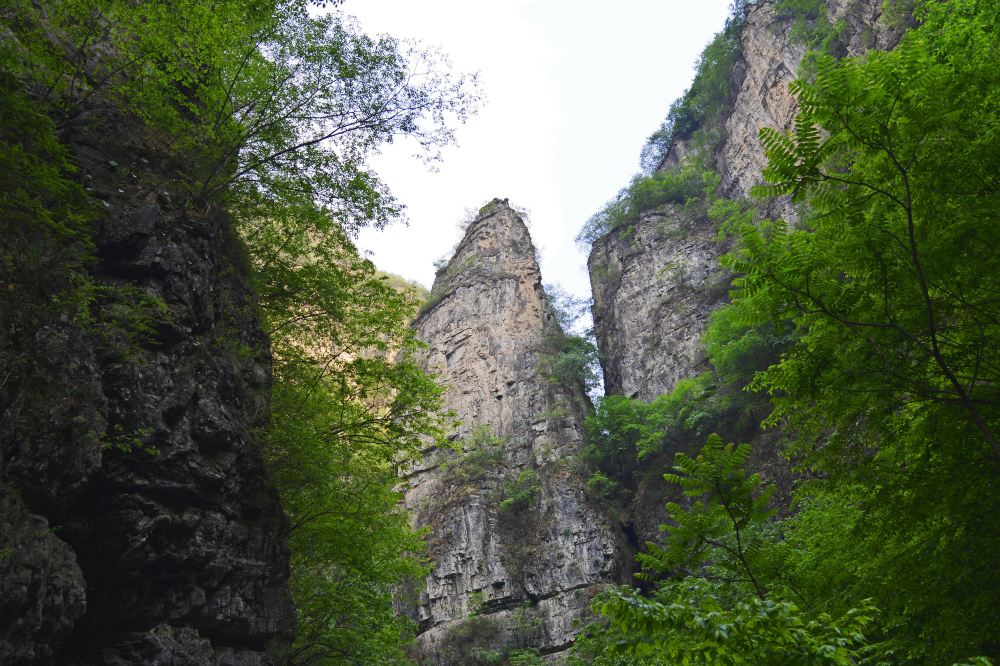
892	257
628	439
694	622
349	406
254	99
695	118
521	493
717	610
568	355
810	24
892	384
683	185
718	526
703	106
47	245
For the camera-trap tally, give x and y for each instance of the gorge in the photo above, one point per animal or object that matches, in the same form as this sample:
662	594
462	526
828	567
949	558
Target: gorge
226	438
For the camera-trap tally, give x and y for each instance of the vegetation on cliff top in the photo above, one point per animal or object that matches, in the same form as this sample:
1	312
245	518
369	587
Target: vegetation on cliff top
694	120
702	107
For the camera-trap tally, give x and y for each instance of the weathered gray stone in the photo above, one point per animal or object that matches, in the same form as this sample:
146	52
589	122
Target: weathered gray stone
485	337
656	283
769	63
42	591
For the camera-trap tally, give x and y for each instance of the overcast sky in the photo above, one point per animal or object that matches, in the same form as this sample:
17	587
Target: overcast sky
572	91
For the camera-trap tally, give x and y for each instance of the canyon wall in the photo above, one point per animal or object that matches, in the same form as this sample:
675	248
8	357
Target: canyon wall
137	521
656	282
518	548
770	59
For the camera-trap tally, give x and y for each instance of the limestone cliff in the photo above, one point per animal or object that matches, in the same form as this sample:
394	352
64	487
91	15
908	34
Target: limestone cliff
656	282
770	61
518	547
654	288
137	522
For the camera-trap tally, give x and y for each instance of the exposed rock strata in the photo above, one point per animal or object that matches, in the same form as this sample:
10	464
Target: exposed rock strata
655	283
527	571
769	62
114	555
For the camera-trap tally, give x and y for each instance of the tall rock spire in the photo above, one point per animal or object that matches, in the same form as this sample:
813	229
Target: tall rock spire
518	547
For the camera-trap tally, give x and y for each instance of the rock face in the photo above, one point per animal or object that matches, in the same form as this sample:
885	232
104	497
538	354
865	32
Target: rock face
138	522
518	547
655	283
770	60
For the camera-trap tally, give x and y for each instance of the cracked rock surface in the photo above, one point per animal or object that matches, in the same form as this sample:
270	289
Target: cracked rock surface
139	525
524	570
655	283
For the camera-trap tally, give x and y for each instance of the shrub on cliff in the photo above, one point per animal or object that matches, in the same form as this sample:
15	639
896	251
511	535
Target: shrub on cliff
704	104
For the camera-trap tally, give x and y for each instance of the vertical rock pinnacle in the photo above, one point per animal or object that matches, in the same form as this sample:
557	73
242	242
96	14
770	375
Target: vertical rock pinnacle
518	548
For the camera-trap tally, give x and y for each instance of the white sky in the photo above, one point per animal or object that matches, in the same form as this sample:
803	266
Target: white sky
572	91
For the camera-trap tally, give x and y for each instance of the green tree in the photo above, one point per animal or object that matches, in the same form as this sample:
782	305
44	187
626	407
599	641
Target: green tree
716	609
631	442
46	243
697	114
719	527
884	382
892	254
349	407
268	112
892	386
251	99
569	355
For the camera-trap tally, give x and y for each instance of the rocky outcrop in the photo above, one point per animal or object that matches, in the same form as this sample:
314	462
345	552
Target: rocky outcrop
770	59
518	546
138	522
655	283
43	588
